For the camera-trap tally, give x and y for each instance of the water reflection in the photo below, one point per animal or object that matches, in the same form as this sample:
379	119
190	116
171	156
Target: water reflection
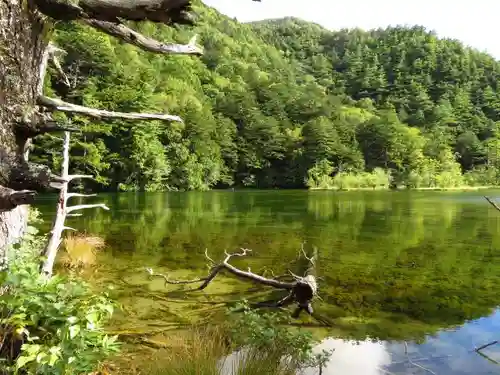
349	358
394	265
450	352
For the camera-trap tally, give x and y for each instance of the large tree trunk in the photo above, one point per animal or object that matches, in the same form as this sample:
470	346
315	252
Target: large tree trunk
25	30
23	38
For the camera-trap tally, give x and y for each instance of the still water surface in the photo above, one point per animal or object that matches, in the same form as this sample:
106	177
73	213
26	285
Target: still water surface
420	267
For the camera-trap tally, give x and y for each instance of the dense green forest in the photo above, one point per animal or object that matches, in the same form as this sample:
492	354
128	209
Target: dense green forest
281	104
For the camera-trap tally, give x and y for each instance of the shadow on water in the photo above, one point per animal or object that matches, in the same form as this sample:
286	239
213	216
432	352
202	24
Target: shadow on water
417	266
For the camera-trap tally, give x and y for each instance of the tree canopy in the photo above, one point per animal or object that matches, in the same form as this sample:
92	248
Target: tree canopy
280	104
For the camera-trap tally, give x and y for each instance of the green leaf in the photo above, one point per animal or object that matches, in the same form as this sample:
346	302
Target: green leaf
53	359
109	309
23	360
40	357
92	317
73	331
31	349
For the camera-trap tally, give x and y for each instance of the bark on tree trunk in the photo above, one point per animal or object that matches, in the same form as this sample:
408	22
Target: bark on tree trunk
23	38
12	226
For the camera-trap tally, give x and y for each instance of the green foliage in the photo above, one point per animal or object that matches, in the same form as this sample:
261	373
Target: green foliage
248	343
270	100
320	177
198	352
265	332
58	322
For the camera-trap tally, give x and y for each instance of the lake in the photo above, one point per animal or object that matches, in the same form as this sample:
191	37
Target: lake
394	267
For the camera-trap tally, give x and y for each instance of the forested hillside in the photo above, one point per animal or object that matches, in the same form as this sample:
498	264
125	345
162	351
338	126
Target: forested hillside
282	103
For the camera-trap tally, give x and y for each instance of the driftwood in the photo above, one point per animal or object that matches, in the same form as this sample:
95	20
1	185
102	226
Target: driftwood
301	289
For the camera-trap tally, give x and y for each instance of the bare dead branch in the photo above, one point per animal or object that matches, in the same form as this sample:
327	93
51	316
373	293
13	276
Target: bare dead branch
212	262
63	210
302	290
59	182
73	195
30	129
72	177
10	199
310	259
44	63
174	282
164	11
131	36
51	54
224	265
492	203
58	228
85	206
60	105
74	215
488	358
296	277
54	53
486	345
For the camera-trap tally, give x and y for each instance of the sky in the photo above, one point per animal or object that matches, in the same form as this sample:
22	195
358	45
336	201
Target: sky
474	22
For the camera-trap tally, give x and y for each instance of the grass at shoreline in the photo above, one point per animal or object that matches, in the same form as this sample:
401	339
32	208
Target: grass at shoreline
455	188
210	350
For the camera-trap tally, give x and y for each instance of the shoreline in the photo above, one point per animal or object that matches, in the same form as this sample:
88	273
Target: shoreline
456	188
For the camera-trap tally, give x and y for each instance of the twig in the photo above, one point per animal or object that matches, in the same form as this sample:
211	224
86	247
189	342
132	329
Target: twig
174	282
310	259
488	358
416	364
486	345
72	195
72	177
53	52
85	206
492	203
208	257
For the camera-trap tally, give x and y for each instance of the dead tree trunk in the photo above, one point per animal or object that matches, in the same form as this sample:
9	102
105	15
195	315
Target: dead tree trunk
63	210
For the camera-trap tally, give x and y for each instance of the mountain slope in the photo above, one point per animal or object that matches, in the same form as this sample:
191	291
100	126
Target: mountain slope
281	103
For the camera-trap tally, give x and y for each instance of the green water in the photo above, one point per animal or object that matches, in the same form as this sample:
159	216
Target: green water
392	265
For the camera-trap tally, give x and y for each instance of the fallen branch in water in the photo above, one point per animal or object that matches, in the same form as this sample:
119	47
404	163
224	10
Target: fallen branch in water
302	290
486	345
